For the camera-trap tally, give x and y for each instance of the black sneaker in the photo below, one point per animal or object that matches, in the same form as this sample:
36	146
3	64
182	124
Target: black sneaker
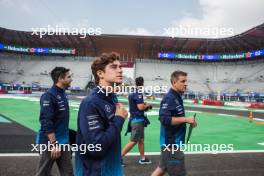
145	161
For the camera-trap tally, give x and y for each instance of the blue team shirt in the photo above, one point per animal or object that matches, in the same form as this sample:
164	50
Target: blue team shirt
54	116
134	99
171	106
97	124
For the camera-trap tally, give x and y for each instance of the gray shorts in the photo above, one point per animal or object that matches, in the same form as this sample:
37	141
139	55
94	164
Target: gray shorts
173	163
137	131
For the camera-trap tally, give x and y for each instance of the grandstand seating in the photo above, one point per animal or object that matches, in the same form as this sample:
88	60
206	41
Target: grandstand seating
206	77
28	69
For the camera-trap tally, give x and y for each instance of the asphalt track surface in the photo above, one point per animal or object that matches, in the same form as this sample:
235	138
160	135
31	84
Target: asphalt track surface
246	164
15	138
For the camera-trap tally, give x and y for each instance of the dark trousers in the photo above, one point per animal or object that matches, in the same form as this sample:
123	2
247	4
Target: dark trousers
63	162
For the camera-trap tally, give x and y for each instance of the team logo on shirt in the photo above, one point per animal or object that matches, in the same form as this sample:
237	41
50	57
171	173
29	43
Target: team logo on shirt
139	96
164	106
107	108
179	109
46	103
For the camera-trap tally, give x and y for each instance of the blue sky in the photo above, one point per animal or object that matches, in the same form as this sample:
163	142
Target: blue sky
135	17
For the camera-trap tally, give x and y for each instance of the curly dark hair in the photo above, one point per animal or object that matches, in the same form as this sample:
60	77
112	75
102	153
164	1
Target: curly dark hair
101	62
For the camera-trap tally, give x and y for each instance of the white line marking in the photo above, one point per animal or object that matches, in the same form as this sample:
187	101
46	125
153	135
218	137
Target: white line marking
152	113
262	143
18	154
194	111
136	153
258	119
227	115
193	153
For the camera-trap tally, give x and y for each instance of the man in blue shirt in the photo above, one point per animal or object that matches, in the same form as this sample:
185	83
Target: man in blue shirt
54	125
137	107
173	128
100	121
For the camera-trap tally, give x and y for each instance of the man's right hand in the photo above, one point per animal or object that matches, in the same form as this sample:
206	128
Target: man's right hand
55	153
121	111
191	120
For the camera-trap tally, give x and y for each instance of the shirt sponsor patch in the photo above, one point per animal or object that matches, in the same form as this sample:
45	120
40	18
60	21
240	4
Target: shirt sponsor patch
91	117
93	128
164	106
46	103
93	122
